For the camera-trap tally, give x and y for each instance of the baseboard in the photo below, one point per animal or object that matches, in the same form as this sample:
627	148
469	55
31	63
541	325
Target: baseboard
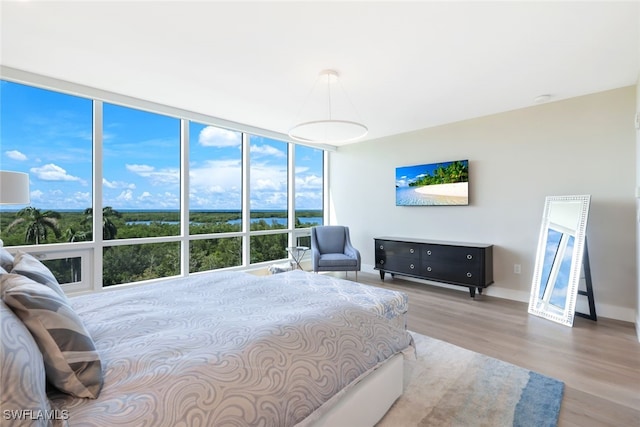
495	290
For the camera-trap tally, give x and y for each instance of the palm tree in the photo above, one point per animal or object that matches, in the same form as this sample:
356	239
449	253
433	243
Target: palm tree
109	229
78	235
458	172
39	224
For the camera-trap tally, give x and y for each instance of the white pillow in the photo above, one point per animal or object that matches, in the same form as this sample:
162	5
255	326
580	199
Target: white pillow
22	371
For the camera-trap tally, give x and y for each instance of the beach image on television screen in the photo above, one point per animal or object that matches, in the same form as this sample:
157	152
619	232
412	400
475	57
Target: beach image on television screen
433	184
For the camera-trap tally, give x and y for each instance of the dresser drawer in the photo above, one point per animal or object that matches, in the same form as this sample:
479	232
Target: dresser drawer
389	249
399	265
453	264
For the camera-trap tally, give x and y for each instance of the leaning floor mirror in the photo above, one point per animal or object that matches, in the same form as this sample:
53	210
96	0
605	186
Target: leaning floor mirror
559	257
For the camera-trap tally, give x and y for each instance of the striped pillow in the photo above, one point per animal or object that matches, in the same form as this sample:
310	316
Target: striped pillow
28	265
71	360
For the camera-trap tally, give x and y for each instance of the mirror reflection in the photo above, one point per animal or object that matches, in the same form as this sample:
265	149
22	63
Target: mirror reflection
559	258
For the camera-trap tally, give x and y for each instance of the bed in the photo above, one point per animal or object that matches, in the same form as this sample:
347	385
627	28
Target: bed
235	349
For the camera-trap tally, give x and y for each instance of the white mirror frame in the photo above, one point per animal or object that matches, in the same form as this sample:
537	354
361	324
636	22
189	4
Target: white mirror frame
565	216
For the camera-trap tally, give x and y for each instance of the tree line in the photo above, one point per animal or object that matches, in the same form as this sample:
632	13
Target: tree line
457	171
130	263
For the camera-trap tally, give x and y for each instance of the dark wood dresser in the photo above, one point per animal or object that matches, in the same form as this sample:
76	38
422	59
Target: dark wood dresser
456	263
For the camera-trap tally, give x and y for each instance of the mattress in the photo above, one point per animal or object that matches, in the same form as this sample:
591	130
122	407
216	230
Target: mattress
231	348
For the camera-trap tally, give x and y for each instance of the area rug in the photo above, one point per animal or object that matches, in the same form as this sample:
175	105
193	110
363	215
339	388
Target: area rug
447	385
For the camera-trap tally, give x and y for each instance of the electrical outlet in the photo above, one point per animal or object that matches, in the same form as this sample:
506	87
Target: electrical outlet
517	268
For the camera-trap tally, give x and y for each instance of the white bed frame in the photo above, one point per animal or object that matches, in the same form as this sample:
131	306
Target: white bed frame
368	401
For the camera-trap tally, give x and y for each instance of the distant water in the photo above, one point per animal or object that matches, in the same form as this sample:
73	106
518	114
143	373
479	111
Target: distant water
280	221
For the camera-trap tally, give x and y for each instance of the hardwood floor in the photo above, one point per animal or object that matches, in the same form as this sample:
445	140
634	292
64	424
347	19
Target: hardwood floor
599	362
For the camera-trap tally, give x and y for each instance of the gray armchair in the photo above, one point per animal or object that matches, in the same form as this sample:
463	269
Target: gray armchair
331	249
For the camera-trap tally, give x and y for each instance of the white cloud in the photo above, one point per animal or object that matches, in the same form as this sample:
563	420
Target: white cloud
212	136
117	184
53	172
266	150
265	184
215	176
268	187
308	182
83	197
216	185
125	196
36	195
140	169
15	155
165	200
156	177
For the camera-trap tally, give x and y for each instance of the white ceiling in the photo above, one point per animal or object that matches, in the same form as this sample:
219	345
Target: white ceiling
405	65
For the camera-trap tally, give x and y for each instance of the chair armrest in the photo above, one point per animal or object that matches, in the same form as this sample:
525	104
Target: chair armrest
315	258
352	252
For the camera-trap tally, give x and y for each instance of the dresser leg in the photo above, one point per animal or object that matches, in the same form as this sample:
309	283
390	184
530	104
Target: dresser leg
472	291
381	274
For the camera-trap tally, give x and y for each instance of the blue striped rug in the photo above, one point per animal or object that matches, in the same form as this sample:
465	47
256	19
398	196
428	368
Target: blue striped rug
450	386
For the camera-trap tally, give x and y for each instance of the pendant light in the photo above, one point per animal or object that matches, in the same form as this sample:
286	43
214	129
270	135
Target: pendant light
333	120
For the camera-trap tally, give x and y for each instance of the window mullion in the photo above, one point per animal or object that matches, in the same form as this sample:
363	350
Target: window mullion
98	174
246	202
184	197
291	193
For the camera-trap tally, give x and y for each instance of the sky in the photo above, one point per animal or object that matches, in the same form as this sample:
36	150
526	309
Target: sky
408	174
49	136
560	287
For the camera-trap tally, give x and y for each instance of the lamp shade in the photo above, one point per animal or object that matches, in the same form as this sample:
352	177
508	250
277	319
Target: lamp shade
14	188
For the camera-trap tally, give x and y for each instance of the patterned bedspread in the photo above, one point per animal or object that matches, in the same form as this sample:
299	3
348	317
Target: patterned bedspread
233	349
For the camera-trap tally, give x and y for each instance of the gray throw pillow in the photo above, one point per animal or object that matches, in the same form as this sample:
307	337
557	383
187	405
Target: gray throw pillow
71	361
28	265
6	259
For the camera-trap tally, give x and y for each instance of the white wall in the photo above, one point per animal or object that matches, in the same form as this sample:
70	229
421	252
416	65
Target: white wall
583	145
637	181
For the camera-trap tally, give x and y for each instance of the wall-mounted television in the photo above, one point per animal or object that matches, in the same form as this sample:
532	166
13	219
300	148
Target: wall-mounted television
432	184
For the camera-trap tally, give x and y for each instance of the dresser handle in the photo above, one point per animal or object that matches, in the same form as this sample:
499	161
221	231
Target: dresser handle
428	268
381	261
428	252
411	250
381	246
469	274
412	266
469	256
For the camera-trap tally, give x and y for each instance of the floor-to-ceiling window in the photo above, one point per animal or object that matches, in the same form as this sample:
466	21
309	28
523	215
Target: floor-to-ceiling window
215	197
48	135
121	193
140	194
309	191
268	200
